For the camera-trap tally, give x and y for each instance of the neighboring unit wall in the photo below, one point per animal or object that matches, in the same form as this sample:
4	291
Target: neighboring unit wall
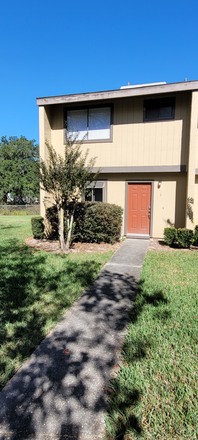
192	161
195	207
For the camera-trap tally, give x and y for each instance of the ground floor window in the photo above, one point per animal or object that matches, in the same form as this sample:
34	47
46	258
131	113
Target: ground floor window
97	192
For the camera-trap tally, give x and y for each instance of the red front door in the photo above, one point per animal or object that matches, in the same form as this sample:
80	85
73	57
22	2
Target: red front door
139	207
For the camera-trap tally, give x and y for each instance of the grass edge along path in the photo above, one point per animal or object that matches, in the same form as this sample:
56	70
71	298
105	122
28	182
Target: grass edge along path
154	394
36	289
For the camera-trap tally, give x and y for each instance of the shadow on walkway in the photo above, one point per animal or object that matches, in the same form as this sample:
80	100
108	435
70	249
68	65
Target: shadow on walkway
59	392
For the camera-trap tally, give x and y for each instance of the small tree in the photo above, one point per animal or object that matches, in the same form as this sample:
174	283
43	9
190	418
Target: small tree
66	179
19	163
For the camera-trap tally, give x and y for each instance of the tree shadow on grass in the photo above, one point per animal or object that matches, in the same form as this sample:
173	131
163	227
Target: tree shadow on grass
124	397
122	403
29	295
6	227
143	298
59	391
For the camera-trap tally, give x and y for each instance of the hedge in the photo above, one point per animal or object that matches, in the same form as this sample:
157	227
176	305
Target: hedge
94	222
196	236
170	235
37	227
185	237
182	236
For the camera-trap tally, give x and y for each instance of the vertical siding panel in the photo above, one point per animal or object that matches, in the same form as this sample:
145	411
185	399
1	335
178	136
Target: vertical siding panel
57	129
129	147
186	128
171	135
146	146
164	146
184	139
152	141
134	131
159	141
139	134
126	148
174	150
177	136
117	135
136	143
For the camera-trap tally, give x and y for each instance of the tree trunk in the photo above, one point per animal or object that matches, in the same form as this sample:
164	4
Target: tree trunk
70	230
61	229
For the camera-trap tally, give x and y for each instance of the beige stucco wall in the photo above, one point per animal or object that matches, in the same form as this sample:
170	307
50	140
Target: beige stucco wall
167	203
163	206
116	195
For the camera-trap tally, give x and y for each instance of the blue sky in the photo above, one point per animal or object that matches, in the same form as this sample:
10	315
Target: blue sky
60	47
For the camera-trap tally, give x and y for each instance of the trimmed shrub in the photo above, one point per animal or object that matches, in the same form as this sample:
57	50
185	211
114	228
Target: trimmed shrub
185	237
99	222
170	236
95	222
37	227
196	236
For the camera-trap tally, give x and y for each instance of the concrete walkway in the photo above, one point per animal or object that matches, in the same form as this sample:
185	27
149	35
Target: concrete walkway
59	392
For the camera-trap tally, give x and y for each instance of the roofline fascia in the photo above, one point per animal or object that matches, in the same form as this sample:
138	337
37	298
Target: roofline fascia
120	93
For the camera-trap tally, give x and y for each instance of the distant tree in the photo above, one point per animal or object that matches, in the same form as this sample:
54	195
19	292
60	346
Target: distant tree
66	179
19	166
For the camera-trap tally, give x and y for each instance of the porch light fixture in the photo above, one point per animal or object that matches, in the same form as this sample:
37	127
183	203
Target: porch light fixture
159	184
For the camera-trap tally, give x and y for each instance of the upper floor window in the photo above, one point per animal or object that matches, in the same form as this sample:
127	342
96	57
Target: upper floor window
90	124
159	109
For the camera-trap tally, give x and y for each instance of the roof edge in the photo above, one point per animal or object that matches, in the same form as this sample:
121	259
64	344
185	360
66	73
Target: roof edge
119	93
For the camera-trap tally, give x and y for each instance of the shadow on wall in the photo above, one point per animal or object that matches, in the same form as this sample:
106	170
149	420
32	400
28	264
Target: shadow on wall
178	222
60	390
169	224
189	209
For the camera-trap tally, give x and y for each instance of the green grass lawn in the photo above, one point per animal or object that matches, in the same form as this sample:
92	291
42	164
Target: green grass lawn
36	289
155	393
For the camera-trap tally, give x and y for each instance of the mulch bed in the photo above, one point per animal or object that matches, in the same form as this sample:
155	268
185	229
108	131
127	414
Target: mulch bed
53	246
157	244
